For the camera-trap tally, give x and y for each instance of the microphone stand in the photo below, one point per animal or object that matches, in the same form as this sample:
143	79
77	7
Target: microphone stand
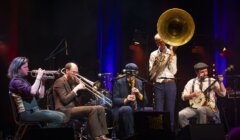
144	81
152	84
114	122
56	51
52	57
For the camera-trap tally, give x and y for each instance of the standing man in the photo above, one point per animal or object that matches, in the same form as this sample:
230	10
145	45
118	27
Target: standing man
65	97
128	96
162	68
201	106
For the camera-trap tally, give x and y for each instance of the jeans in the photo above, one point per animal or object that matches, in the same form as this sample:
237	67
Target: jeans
52	118
125	118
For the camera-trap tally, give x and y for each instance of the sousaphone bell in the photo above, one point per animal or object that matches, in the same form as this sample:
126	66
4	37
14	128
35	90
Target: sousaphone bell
176	27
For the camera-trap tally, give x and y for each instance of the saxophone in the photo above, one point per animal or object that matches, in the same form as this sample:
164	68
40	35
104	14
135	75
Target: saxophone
132	83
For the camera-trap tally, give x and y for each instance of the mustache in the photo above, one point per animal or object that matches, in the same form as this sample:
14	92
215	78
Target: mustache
203	77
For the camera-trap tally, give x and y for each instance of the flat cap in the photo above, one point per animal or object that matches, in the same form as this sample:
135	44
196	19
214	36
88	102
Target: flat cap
131	68
200	65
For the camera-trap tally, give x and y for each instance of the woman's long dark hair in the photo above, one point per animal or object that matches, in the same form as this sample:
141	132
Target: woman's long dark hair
15	66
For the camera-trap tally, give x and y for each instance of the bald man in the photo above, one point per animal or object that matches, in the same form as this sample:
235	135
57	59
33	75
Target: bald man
162	68
65	91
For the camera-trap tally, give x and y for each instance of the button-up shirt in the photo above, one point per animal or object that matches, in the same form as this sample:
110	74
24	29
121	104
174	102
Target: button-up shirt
205	84
170	70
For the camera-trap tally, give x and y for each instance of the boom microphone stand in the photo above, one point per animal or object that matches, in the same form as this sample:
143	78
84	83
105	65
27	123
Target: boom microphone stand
52	57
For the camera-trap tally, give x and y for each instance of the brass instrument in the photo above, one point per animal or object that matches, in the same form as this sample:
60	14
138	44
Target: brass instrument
175	27
48	74
92	87
158	66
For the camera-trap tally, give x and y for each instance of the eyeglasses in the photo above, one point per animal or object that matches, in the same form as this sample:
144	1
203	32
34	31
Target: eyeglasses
73	72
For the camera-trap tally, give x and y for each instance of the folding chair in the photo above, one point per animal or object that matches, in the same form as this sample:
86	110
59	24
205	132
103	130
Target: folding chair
22	125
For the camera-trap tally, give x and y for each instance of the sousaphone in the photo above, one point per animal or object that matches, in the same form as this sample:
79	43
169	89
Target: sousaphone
176	27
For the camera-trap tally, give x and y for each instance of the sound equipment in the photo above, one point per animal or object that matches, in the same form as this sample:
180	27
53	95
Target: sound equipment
151	121
51	134
152	126
202	132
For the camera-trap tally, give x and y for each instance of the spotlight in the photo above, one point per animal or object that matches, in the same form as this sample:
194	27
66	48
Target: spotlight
223	52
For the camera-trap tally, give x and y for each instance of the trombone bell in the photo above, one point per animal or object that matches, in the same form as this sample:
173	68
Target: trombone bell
175	27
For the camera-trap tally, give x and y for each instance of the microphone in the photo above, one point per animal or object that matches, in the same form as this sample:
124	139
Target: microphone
66	47
103	74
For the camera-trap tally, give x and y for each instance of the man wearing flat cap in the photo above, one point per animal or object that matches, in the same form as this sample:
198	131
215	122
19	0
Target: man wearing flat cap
128	96
202	102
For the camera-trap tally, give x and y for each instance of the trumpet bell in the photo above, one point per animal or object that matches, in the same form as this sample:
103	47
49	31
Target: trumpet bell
175	27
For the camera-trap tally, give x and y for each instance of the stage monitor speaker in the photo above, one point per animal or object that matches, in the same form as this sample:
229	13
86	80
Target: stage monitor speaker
151	121
202	132
52	134
152	126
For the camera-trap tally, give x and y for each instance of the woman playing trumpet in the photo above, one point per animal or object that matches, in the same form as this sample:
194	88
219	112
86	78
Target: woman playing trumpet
24	94
66	90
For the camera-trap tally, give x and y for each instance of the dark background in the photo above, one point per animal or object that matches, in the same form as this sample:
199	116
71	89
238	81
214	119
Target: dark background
34	28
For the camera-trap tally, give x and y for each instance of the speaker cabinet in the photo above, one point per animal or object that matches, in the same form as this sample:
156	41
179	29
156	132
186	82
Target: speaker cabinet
52	134
202	132
151	121
152	126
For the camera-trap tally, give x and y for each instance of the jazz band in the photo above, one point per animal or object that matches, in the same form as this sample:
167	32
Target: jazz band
160	63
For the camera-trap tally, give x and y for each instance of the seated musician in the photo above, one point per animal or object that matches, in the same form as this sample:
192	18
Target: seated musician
65	91
202	101
128	96
25	95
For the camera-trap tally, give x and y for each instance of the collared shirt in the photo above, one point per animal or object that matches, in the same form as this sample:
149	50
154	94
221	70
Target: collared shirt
171	68
205	84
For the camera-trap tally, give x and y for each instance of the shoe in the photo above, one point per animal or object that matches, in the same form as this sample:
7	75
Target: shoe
104	138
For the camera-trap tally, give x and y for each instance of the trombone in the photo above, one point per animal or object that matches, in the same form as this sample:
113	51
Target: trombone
92	87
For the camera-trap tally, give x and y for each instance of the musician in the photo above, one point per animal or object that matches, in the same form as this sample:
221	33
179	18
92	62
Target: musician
25	95
65	91
193	91
128	96
162	68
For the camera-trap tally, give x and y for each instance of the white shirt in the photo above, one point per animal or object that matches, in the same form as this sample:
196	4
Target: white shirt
171	68
215	89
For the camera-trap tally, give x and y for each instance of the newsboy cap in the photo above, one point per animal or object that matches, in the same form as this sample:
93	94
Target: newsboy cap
131	68
200	65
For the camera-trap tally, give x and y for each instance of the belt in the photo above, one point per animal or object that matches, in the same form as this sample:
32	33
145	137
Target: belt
168	81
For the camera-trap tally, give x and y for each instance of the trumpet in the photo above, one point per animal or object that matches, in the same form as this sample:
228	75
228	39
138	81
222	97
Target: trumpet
48	74
92	87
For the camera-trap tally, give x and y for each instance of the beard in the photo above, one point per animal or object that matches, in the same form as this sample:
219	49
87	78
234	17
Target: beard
202	78
72	81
